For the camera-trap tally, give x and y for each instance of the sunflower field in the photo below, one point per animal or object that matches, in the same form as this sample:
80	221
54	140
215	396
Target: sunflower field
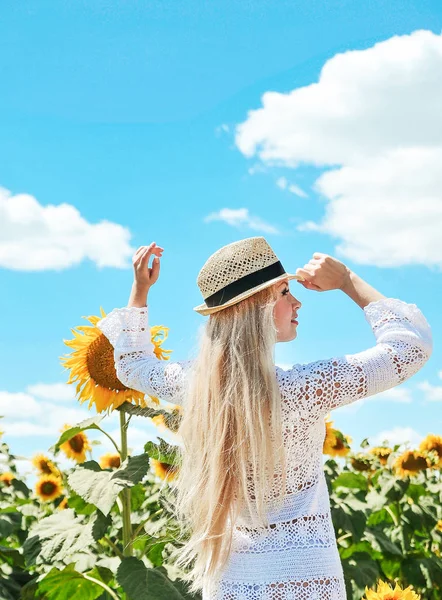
103	530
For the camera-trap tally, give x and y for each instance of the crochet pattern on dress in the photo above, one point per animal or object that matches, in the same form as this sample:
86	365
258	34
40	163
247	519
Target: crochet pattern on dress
296	556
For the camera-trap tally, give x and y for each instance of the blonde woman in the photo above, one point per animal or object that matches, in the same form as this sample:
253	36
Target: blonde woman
251	494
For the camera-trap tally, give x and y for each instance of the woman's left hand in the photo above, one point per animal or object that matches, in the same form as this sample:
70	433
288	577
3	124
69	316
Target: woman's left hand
144	276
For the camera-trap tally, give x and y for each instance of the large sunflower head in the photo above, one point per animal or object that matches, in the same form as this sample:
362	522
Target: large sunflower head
410	463
92	365
77	446
335	443
433	444
44	465
385	592
164	470
381	452
48	487
110	461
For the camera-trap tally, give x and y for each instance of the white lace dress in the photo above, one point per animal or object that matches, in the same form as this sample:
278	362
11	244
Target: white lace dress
296	557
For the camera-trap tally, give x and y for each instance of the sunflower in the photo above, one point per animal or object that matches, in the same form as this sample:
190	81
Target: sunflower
410	463
385	592
361	462
48	487
7	477
44	465
63	504
160	422
433	443
381	452
335	443
76	447
92	365
164	470
110	461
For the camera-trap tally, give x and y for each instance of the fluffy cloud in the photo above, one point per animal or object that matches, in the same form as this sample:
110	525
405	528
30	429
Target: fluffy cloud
241	218
398	435
398	394
433	393
283	184
61	392
24	415
34	237
374	120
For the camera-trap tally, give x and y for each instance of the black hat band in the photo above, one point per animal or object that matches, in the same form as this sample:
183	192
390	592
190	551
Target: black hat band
245	283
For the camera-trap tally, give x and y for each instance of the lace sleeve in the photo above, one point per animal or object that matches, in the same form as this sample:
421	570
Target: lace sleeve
403	345
136	365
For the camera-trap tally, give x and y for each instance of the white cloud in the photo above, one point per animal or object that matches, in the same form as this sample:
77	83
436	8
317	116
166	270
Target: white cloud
374	118
257	168
34	237
18	406
398	394
62	392
241	218
283	184
222	129
433	393
397	435
24	415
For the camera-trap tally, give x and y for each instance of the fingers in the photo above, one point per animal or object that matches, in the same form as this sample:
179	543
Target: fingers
307	272
143	253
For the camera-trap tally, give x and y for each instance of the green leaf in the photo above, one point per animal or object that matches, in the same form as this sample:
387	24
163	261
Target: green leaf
68	585
137	497
57	537
100	525
379	516
381	542
21	487
164	452
362	570
348	520
80	506
91	423
9	523
351	480
141	583
101	487
11	556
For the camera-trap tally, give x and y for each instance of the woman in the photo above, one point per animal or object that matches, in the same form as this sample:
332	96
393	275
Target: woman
251	494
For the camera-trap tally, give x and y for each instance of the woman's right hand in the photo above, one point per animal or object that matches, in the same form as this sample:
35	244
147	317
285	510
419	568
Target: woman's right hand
145	277
323	273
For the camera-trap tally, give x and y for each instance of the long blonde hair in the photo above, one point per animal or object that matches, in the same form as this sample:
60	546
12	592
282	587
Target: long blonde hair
229	449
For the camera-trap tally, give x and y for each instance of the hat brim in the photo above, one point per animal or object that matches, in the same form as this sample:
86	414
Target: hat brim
203	309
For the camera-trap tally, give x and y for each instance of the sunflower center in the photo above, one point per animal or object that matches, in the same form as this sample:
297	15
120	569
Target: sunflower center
168	468
45	467
77	443
437	448
339	444
101	366
414	463
48	488
114	462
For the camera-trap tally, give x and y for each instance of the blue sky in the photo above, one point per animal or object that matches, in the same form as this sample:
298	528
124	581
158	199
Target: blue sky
195	124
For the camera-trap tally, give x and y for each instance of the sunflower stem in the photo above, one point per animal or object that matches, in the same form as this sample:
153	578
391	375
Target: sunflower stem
125	494
111	593
112	439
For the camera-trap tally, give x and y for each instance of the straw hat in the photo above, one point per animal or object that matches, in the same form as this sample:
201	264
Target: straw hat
237	271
